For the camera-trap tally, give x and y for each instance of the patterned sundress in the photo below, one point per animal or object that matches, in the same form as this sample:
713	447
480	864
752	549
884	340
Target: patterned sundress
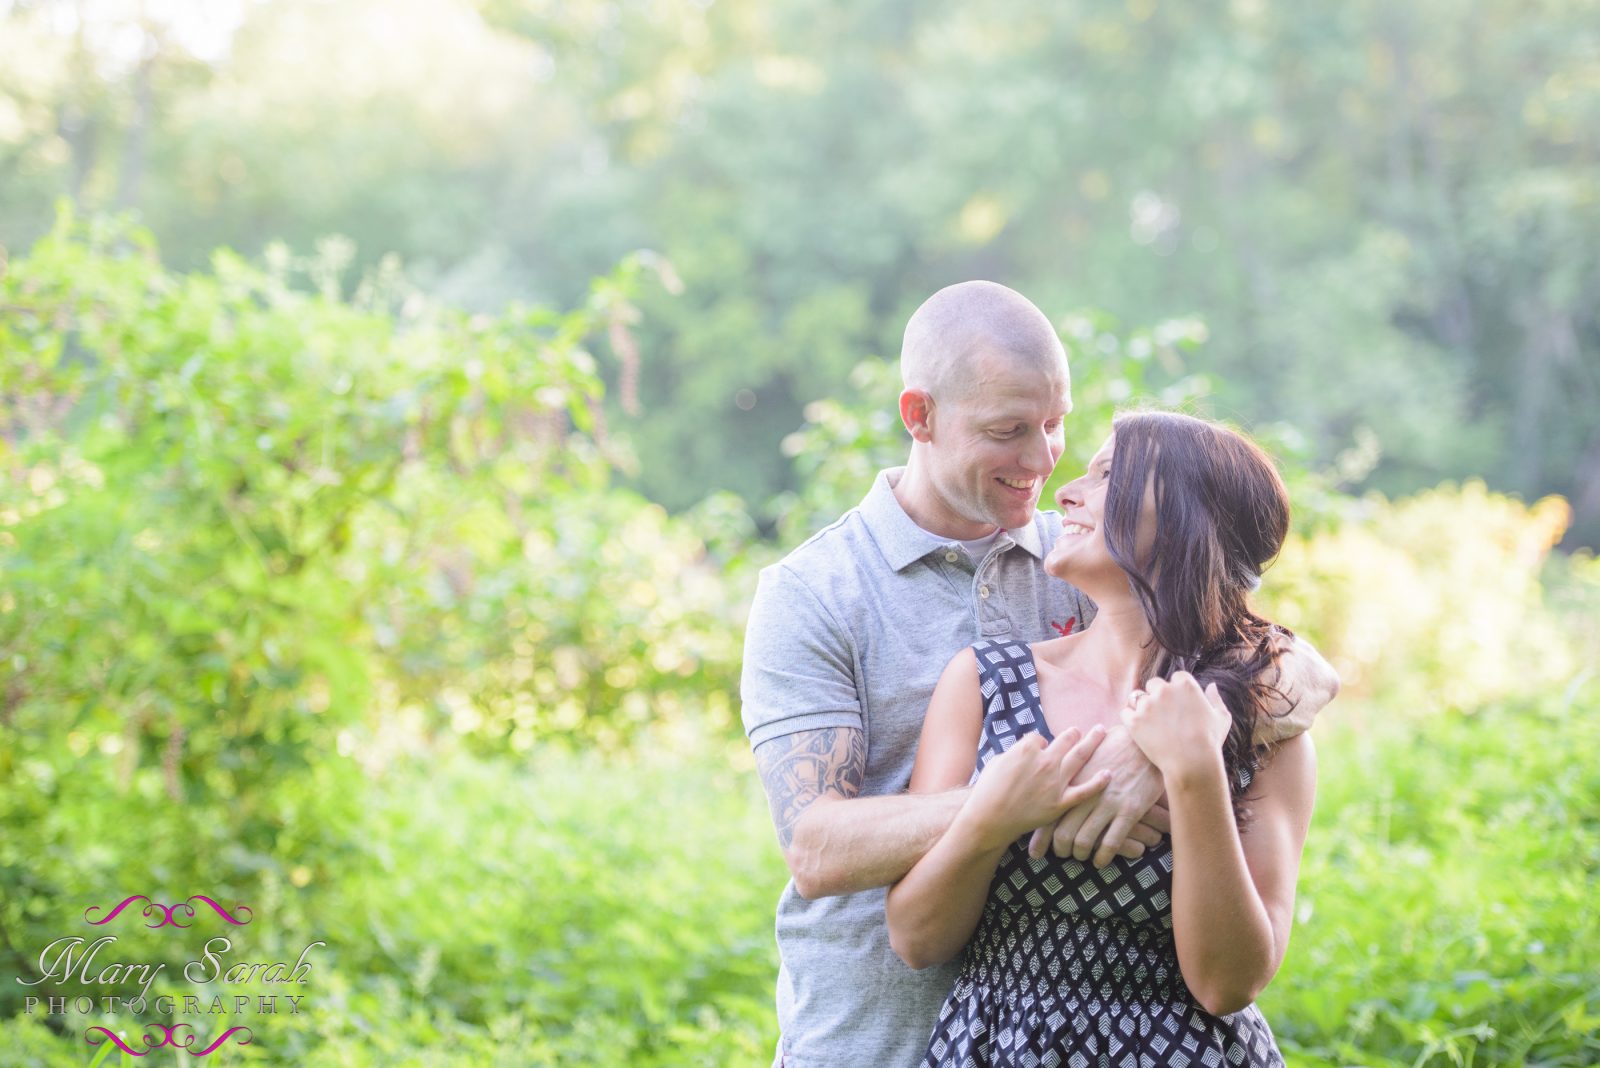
1071	965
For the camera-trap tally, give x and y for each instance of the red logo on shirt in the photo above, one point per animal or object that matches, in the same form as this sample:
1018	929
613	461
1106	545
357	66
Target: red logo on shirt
1066	630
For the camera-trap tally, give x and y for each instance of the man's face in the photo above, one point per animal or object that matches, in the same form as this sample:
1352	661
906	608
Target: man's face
993	449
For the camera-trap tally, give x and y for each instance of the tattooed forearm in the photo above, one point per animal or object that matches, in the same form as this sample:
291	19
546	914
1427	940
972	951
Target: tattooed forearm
799	768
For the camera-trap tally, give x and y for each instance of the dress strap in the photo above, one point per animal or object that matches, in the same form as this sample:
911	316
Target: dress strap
1009	685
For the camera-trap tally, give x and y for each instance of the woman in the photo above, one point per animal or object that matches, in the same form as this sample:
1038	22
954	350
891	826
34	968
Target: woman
1154	961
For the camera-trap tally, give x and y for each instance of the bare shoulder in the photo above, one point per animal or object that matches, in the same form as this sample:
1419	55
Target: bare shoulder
948	750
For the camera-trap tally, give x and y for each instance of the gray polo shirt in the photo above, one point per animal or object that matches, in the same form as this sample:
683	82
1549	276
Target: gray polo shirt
853	629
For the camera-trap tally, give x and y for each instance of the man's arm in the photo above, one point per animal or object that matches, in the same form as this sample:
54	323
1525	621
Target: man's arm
802	712
835	848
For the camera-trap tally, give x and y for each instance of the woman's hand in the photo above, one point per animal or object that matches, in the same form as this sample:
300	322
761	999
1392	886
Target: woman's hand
1030	785
1177	725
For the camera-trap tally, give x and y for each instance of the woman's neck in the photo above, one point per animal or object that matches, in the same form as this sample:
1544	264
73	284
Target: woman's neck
1119	643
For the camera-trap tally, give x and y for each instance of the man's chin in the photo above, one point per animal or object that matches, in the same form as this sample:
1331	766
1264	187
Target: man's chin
1020	515
1012	518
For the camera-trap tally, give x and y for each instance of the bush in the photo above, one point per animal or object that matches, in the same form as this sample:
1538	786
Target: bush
563	910
255	526
1431	602
1446	913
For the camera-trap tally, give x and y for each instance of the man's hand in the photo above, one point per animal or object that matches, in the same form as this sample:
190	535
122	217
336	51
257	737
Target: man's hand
1123	819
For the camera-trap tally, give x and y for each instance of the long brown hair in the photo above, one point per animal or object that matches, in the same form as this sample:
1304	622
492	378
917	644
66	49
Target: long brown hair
1222	513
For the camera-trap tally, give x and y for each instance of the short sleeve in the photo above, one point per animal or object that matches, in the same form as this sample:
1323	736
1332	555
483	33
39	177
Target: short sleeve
1295	719
799	662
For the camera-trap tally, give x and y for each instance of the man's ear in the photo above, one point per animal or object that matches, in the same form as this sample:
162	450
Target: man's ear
916	412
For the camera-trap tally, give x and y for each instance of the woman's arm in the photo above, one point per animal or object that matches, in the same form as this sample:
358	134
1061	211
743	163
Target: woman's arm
934	909
1232	895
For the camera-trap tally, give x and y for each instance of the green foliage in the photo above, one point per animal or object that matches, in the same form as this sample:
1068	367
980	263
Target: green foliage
318	596
249	517
576	911
1446	913
1432	602
560	910
1384	213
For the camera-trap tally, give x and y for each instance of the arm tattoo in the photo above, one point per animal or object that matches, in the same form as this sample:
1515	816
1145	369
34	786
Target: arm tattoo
799	768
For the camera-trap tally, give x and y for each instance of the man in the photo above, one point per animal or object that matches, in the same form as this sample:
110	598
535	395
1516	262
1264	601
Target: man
848	635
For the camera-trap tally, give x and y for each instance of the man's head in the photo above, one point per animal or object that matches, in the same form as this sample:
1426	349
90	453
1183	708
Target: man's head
986	387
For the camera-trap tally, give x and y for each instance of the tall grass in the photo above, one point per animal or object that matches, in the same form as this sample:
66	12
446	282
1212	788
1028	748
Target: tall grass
571	910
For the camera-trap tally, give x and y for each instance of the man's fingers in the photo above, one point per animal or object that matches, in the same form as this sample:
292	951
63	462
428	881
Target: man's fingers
1040	842
1067	830
1088	836
1111	843
1131	849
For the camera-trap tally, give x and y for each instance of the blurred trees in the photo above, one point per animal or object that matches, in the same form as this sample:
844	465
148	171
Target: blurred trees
1387	216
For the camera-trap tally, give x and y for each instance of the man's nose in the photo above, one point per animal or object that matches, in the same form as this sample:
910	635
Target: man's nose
1039	457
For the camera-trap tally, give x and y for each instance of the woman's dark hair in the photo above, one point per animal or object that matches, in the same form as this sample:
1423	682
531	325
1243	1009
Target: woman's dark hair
1221	516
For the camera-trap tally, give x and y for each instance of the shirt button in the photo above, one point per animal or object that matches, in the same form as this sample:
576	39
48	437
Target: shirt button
983	591
950	556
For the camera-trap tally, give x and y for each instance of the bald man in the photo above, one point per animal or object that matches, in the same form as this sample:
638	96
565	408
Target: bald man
848	635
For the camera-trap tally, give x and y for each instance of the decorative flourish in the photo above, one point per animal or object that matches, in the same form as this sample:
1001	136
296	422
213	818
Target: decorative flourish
222	911
169	1037
166	911
229	1033
1067	629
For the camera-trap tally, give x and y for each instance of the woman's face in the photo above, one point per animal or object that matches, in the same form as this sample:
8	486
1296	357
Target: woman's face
1080	554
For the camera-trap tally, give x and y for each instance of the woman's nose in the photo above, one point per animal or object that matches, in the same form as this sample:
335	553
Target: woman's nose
1067	495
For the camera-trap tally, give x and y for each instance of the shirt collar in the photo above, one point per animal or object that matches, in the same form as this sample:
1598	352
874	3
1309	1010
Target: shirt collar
903	543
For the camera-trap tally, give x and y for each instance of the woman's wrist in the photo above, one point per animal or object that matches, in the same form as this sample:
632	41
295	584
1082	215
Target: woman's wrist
972	832
1202	771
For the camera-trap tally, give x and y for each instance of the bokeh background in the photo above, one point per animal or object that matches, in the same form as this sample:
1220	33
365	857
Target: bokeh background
398	398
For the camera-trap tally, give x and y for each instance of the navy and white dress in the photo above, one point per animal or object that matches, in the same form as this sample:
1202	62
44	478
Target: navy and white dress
1070	965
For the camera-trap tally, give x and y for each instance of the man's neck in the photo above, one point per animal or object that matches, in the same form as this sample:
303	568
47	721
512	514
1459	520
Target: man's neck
917	498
